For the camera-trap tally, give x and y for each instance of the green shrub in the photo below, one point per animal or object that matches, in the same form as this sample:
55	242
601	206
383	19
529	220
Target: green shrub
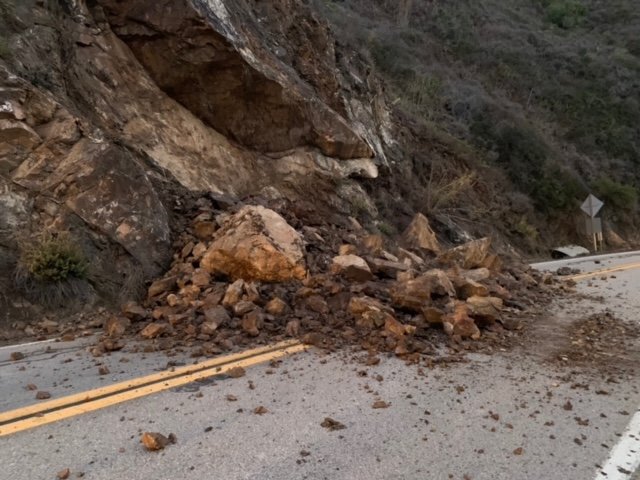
566	14
54	258
556	190
617	196
525	229
529	164
519	149
387	229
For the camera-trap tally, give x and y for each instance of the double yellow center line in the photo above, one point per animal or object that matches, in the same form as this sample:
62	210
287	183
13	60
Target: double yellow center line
59	409
621	268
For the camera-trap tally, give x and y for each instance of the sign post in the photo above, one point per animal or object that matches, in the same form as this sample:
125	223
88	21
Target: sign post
591	206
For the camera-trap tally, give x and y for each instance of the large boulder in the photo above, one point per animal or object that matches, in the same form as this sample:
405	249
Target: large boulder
459	322
485	308
256	244
469	255
420	235
416	293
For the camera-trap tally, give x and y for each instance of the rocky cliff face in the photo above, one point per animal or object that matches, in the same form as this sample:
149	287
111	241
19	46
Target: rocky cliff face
115	115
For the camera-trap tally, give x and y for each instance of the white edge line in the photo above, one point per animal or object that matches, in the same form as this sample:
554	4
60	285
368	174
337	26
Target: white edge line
6	347
626	454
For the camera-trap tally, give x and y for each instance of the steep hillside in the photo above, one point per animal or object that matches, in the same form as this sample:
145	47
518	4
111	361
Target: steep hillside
123	123
115	117
522	106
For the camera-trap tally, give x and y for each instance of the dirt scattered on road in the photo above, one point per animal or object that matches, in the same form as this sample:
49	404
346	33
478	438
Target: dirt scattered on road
600	342
600	339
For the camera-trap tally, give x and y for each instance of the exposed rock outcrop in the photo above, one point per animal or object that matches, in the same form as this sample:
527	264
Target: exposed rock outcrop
111	113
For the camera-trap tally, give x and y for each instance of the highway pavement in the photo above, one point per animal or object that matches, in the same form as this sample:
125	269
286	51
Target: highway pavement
510	415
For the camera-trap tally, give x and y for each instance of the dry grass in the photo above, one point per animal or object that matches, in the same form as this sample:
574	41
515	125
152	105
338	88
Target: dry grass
544	91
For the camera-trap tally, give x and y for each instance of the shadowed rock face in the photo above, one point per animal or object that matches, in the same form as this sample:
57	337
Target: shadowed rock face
209	57
112	113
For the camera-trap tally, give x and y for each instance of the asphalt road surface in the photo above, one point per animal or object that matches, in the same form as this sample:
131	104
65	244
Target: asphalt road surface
510	415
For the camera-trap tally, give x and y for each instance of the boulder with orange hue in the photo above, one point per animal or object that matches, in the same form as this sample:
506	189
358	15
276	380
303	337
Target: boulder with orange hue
256	244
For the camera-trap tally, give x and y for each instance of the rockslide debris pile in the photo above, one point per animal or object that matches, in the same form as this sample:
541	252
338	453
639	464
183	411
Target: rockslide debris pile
247	276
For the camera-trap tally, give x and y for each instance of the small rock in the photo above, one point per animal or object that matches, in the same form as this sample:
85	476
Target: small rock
465	288
104	370
233	294
276	306
432	315
173	300
154	441
236	372
293	328
373	243
347	249
386	268
42	395
351	267
380	404
199	250
162	285
260	410
133	311
63	474
153	330
331	424
201	278
486	308
243	307
252	322
204	230
15	356
214	318
419	235
460	323
317	304
115	327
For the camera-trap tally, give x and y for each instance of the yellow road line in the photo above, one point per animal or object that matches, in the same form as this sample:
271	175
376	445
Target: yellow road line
123	396
621	268
137	382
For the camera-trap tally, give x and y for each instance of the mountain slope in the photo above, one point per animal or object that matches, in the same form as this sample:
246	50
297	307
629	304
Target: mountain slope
541	96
